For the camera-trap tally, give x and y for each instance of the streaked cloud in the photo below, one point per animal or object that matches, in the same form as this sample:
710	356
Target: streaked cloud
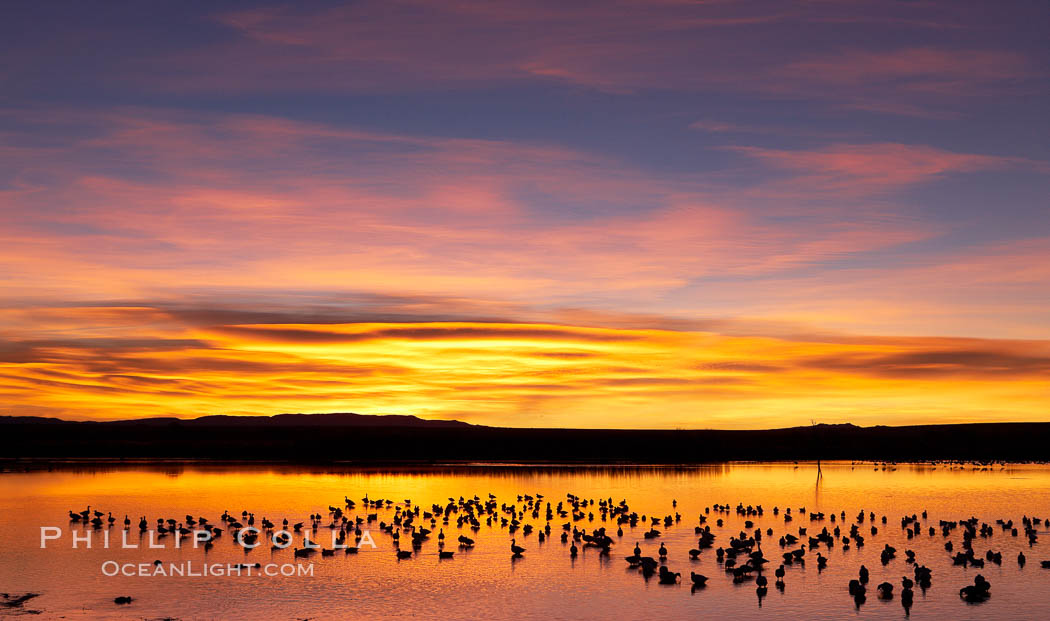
635	213
505	332
391	214
619	47
977	363
520	374
866	168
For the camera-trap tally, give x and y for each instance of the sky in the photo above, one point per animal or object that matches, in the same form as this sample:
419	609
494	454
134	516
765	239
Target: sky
631	214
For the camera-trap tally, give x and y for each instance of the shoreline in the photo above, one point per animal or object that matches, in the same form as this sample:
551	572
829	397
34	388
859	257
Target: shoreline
36	464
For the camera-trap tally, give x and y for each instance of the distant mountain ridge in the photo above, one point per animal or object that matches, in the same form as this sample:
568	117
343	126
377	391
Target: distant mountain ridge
335	419
350	419
366	439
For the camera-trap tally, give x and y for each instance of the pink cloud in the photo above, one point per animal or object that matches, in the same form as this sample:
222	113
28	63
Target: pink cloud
880	167
923	69
330	208
202	209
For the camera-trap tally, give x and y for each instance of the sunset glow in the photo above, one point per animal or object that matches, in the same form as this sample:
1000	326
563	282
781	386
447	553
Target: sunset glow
635	214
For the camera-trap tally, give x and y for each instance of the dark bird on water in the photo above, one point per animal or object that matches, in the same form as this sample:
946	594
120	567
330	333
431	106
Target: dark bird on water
668	577
515	548
976	592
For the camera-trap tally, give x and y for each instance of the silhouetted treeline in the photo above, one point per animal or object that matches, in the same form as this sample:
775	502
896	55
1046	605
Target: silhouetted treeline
320	440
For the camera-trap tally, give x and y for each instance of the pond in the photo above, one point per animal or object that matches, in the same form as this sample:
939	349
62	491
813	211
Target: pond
73	580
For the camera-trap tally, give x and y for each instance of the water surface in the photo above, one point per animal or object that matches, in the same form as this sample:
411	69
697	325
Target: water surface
546	583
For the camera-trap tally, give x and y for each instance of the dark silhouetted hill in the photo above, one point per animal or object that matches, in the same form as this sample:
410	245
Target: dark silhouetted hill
339	419
320	438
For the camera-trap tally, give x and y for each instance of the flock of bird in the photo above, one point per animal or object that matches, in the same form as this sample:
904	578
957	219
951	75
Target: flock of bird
411	526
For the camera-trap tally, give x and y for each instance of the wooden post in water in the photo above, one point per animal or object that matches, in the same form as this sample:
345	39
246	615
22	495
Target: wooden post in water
820	474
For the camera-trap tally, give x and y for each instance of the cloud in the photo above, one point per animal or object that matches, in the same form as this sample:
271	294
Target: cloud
938	363
669	44
197	201
718	127
927	70
353	334
880	167
419	43
156	260
22	351
337	225
900	58
668	373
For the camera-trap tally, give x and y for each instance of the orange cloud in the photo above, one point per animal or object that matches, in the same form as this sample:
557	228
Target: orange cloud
523	374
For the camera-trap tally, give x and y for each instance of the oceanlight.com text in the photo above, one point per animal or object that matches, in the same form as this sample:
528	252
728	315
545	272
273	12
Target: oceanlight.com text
190	569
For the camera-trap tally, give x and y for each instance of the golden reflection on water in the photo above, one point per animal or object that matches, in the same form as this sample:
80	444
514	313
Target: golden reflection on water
546	583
